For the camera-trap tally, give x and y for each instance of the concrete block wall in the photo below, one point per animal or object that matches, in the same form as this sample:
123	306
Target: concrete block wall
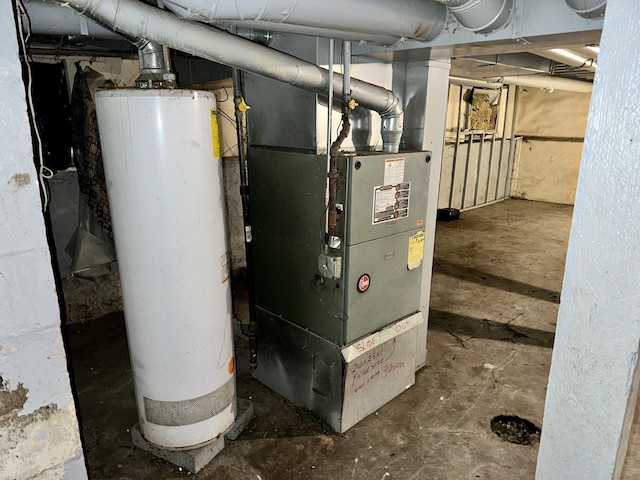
39	435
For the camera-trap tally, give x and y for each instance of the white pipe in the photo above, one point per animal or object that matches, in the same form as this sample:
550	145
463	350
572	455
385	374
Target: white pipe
548	82
330	110
471	82
346	65
588	8
589	51
139	20
422	20
480	16
568	57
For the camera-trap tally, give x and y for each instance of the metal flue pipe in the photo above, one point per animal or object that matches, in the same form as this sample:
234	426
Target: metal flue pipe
139	20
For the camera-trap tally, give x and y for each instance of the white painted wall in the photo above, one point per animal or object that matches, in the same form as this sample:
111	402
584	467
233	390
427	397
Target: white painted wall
552	125
593	380
547	171
39	434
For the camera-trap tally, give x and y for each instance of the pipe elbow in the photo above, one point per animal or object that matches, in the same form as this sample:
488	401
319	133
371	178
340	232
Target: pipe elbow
392	126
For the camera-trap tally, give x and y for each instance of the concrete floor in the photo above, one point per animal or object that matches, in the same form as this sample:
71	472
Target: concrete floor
495	295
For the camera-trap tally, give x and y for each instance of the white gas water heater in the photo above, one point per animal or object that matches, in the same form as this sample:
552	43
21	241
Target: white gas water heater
162	167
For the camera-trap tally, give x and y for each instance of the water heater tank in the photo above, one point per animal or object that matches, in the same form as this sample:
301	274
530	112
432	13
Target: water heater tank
164	180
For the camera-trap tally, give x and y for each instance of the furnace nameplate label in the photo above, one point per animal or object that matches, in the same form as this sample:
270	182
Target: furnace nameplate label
393	171
390	202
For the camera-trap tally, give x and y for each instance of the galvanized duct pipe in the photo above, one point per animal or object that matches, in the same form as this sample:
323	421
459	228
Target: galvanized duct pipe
47	18
480	16
417	20
139	20
155	66
588	8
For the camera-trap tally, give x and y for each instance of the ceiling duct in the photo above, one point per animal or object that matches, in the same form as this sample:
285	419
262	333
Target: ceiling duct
47	18
137	19
588	8
344	19
480	16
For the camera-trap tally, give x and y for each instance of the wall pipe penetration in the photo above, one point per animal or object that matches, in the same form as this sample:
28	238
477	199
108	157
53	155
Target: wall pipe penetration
136	19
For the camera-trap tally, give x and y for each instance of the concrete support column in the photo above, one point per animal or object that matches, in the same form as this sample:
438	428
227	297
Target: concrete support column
424	87
593	381
38	425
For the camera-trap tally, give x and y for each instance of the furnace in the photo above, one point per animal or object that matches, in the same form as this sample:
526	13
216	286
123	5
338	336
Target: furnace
339	327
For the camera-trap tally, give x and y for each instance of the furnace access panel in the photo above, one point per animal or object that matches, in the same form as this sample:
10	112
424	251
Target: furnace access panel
383	199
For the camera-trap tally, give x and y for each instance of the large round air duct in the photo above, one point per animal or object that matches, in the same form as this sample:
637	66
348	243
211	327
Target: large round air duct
588	8
163	173
480	16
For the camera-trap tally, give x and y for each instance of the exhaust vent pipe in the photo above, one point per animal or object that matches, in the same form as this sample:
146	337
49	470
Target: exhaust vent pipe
480	16
137	19
588	8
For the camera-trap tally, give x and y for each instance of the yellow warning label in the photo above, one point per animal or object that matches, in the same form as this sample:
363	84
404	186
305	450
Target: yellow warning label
416	250
215	134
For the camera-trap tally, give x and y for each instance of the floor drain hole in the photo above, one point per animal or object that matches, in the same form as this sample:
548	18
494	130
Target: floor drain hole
514	429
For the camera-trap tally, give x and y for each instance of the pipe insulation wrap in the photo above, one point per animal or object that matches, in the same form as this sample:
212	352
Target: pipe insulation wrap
140	20
413	19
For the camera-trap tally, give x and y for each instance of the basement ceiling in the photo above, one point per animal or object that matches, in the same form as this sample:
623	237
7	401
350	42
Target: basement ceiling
492	67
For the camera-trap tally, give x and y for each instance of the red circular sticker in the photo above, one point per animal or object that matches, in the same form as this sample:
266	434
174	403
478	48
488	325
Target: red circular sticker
363	283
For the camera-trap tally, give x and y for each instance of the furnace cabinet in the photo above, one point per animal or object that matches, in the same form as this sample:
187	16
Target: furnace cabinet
342	346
